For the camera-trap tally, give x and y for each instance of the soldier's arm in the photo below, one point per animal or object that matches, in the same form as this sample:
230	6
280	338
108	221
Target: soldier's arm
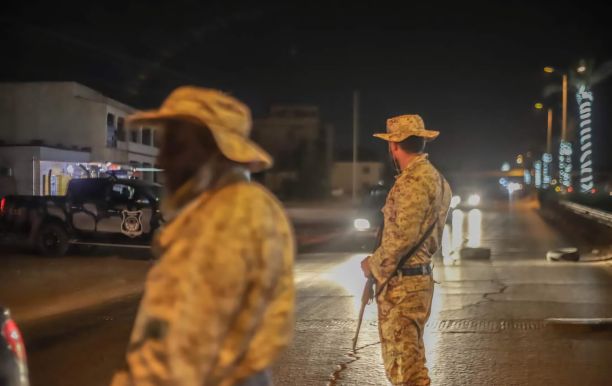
411	204
181	345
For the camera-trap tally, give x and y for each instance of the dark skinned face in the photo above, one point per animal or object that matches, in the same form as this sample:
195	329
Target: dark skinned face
185	148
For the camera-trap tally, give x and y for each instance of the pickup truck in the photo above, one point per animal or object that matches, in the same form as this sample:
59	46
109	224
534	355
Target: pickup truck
95	211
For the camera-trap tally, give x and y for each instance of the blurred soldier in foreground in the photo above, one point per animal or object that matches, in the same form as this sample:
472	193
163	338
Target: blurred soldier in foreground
414	217
218	306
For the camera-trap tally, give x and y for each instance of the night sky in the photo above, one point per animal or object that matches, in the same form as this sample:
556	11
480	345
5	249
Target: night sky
472	70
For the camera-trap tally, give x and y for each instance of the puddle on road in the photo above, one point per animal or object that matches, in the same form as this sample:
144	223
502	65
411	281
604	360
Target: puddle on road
335	376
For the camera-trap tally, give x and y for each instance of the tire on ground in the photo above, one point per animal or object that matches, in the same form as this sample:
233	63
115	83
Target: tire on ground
563	254
52	239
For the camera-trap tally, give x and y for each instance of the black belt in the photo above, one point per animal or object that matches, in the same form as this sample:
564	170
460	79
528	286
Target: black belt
423	269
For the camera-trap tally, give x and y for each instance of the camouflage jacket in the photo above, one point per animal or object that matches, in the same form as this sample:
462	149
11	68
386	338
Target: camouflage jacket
218	305
414	202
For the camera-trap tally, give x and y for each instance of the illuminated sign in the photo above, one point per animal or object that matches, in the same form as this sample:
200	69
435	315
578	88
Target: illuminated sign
527	177
546	164
584	97
537	165
565	163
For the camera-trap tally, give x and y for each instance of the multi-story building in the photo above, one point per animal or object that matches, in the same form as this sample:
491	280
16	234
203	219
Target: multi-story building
301	146
51	131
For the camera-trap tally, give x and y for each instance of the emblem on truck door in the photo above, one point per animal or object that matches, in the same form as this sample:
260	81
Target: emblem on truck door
132	223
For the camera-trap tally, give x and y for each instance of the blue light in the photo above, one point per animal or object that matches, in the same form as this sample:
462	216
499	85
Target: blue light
527	175
546	164
584	97
565	163
537	165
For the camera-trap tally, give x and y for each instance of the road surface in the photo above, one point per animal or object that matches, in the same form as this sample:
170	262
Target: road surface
488	324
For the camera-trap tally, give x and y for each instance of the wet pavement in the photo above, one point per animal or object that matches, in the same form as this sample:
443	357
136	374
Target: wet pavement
488	324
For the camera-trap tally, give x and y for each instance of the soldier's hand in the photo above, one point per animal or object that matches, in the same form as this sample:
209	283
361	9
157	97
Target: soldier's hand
365	267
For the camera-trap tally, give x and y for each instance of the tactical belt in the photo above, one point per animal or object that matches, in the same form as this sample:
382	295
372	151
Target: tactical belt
417	270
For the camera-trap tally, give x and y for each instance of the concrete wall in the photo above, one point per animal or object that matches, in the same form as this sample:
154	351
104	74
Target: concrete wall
63	113
368	175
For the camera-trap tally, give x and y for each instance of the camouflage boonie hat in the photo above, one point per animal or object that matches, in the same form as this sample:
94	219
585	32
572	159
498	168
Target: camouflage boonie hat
403	126
228	119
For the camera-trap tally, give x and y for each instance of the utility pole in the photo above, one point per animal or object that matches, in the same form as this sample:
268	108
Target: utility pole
564	123
549	132
355	141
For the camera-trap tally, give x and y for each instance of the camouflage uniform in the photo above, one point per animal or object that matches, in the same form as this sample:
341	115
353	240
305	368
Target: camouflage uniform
404	306
218	306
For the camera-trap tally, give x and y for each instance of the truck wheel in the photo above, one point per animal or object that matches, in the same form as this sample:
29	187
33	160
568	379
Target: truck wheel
52	240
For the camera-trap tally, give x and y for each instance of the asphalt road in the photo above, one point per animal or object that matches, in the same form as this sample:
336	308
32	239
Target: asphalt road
488	325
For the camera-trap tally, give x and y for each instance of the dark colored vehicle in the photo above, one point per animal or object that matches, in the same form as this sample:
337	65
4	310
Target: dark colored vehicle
369	217
95	211
13	361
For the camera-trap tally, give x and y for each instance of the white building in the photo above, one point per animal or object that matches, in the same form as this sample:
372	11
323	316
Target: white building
47	128
369	174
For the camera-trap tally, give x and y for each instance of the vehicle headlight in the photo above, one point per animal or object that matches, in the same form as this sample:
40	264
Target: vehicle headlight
455	201
474	200
361	224
513	187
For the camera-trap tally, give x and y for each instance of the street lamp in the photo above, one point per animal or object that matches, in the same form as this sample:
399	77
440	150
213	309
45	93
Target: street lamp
551	70
565	147
543	167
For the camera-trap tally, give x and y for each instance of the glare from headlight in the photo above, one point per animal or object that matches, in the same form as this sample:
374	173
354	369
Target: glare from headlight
513	187
455	201
361	224
474	200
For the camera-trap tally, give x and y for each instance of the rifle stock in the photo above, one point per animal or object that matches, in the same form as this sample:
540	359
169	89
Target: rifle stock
366	297
368	293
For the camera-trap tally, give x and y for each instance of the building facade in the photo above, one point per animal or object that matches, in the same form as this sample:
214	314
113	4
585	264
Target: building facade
301	145
368	175
48	129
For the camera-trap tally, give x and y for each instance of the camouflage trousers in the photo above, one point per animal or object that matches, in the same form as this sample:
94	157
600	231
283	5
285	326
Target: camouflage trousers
403	310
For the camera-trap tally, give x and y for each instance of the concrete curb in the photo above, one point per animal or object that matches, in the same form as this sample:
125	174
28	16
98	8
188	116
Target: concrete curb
475	253
563	254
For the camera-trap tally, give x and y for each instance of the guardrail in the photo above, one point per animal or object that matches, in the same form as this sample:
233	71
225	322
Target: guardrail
600	216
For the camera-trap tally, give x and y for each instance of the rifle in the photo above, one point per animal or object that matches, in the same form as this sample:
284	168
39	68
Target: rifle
368	292
366	297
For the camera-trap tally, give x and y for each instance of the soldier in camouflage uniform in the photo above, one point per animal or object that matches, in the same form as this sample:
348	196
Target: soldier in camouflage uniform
420	197
218	306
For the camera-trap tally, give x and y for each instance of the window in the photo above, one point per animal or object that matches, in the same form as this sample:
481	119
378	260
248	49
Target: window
121	192
157	138
111	131
134	135
147	137
120	129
